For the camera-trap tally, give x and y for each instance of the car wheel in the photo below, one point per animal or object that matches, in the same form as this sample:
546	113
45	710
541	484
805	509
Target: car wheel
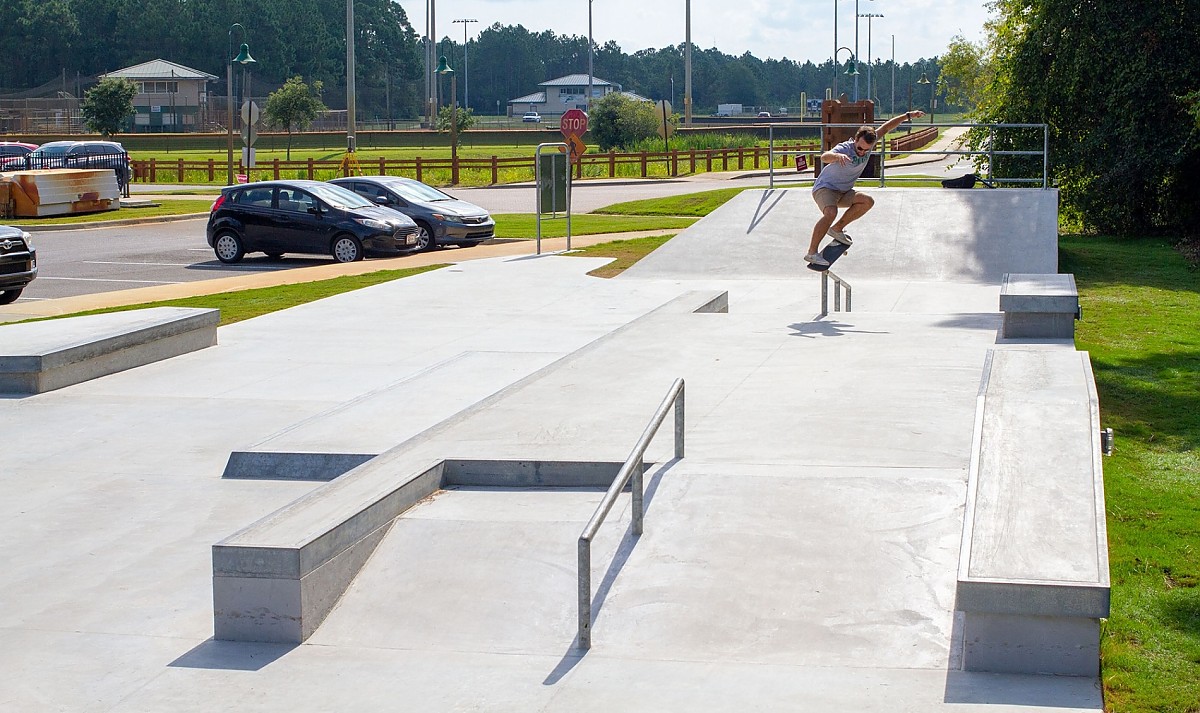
275	256
425	239
7	297
346	248
228	247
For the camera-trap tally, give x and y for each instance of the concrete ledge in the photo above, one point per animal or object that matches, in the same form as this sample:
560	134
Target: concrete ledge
1033	580
1039	306
278	579
265	465
42	356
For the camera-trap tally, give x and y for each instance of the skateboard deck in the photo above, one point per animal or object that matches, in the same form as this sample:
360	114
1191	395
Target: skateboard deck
831	253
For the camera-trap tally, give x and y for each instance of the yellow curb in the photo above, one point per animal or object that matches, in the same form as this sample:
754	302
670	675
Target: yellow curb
140	295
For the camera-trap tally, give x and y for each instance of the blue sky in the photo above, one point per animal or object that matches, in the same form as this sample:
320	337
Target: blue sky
799	30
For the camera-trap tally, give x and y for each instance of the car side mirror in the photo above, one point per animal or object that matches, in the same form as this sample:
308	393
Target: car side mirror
315	210
381	200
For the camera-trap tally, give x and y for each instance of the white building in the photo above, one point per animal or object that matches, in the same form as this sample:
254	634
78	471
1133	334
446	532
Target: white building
170	98
569	92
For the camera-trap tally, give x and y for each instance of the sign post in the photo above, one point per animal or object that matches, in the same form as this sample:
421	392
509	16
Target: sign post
553	178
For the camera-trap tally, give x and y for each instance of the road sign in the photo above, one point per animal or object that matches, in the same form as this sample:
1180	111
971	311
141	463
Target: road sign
662	110
574	122
578	148
249	112
249	135
248	157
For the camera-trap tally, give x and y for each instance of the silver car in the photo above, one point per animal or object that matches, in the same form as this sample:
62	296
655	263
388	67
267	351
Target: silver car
441	218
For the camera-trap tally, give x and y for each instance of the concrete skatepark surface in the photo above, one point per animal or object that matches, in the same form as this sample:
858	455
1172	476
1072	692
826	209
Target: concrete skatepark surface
802	556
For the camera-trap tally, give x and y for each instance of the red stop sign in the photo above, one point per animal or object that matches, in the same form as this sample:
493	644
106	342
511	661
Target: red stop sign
573	123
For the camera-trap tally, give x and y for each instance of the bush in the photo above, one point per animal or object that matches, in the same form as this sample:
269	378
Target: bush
616	121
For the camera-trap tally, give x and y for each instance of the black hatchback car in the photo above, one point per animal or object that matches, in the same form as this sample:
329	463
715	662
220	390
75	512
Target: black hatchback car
18	263
277	217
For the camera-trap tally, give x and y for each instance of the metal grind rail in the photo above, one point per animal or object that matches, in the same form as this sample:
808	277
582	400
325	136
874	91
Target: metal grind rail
838	284
631	470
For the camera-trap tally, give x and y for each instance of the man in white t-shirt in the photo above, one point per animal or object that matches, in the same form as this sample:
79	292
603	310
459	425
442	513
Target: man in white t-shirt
834	188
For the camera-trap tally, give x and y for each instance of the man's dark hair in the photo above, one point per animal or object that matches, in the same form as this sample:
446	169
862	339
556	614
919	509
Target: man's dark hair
868	133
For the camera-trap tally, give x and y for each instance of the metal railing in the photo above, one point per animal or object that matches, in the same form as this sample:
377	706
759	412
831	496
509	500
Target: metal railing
632	470
881	148
838	284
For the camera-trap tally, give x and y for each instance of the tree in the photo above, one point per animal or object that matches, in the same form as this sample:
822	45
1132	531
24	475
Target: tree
1109	82
965	73
466	119
108	104
616	120
294	106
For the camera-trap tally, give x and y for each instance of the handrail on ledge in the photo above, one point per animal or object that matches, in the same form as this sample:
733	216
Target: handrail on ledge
631	470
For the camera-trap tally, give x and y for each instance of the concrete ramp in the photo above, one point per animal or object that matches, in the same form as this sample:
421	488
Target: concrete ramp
912	234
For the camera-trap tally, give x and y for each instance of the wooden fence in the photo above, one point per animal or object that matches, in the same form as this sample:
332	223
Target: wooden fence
596	165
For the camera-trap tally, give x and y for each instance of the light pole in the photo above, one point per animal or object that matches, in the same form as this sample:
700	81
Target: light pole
443	69
243	58
350	109
591	69
687	65
856	16
925	80
431	102
893	112
870	58
466	73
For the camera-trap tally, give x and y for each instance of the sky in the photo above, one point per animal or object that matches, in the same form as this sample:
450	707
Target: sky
800	30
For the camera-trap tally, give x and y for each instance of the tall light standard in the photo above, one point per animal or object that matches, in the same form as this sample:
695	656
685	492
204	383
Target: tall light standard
856	16
431	102
925	80
444	69
350	109
243	59
893	112
591	69
687	65
870	57
466	73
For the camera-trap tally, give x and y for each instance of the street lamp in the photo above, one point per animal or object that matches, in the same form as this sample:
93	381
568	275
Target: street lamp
591	69
856	16
687	64
243	59
466	74
443	68
350	108
870	57
852	65
925	80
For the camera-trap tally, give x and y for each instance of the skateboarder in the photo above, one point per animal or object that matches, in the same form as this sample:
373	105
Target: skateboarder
834	188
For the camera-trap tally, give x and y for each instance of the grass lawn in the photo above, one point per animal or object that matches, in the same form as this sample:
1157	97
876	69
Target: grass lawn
626	252
1141	309
524	225
245	304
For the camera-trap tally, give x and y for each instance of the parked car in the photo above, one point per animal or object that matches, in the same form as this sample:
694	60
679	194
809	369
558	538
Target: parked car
441	218
18	263
10	150
77	154
277	217
531	116
764	115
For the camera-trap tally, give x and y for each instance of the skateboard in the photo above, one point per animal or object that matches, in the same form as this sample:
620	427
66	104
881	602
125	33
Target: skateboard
831	253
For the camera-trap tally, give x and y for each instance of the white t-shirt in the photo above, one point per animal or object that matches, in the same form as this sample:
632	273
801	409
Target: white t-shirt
841	177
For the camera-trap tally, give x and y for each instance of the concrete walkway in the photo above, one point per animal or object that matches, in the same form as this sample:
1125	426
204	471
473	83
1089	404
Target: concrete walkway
801	556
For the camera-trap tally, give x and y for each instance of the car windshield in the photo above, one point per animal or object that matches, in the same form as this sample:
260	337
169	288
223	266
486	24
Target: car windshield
339	197
419	192
52	150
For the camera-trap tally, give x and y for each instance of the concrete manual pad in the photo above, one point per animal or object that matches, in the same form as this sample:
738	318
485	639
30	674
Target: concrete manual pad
801	556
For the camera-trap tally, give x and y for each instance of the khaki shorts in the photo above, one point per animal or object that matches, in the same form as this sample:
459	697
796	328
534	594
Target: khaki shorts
829	198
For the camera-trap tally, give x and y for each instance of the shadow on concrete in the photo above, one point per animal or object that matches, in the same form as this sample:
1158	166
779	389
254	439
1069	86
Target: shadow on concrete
981	321
973	688
821	328
761	213
232	655
574	654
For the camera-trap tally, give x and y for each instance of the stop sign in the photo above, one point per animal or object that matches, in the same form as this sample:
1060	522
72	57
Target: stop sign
573	123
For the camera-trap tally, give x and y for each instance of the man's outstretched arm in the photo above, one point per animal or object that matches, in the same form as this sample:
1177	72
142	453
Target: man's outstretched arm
898	120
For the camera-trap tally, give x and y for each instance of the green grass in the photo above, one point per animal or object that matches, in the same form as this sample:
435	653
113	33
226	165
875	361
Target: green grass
624	252
246	304
1141	325
172	207
692	204
524	225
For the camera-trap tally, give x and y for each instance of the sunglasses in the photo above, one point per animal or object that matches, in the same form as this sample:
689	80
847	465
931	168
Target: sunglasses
862	149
